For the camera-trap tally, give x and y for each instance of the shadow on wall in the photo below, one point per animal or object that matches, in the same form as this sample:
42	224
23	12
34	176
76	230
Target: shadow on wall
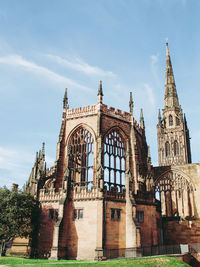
68	238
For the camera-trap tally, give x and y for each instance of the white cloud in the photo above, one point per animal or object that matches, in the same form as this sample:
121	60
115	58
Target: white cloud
154	69
150	95
79	65
17	60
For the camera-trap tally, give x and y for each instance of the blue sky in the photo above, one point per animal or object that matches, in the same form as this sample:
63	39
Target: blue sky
46	46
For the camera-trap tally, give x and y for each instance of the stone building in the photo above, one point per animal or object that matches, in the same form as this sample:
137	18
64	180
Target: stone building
103	194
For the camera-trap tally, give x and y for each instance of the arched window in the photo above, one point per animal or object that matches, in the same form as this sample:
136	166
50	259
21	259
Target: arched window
114	160
176	148
81	157
170	120
167	149
177	121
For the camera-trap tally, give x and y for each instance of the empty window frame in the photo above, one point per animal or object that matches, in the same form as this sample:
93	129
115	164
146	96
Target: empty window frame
77	214
140	216
170	120
114	160
167	149
115	214
82	156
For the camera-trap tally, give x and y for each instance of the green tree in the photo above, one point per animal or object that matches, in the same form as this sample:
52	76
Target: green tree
19	212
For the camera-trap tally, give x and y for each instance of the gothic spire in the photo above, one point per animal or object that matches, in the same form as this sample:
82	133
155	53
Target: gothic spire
100	92
171	97
141	119
131	103
65	100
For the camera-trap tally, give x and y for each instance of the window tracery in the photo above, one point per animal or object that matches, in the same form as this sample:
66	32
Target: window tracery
114	160
82	157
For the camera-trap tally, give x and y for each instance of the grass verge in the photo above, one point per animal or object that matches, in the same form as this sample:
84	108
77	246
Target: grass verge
143	262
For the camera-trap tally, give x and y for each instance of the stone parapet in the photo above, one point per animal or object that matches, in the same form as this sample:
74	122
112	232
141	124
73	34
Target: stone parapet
82	193
51	195
81	111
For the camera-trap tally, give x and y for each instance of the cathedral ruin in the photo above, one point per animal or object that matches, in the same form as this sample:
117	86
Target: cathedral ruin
103	193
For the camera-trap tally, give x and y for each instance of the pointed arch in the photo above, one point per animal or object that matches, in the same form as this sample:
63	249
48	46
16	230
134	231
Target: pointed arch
176	193
81	156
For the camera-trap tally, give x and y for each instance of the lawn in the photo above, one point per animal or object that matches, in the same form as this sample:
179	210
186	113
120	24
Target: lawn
144	262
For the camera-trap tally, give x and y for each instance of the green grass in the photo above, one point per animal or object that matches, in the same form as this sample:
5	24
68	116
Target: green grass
143	262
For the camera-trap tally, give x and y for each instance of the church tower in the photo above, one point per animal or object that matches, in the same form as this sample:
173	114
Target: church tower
172	131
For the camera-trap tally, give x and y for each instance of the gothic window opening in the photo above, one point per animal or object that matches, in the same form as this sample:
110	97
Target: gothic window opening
170	120
114	161
82	157
167	149
176	195
176	148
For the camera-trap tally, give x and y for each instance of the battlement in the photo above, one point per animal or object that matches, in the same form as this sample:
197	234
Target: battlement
82	111
123	115
51	195
82	193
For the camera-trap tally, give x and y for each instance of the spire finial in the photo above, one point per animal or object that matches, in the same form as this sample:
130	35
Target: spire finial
43	149
159	117
141	119
131	103
65	100
100	92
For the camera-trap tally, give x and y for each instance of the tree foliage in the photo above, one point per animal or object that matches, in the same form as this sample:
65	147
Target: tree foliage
19	212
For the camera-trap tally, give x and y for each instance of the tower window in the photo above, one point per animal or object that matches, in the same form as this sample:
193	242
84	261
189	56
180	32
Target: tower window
140	216
77	214
115	214
176	148
114	160
167	149
81	157
170	120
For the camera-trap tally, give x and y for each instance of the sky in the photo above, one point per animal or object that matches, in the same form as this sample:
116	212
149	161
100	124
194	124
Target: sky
47	46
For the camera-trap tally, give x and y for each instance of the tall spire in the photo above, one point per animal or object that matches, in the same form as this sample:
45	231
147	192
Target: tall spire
100	93
171	97
131	103
142	119
65	100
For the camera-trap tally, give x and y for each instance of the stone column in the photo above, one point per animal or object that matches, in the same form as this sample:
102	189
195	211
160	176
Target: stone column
131	231
163	204
180	203
174	204
99	236
191	196
185	203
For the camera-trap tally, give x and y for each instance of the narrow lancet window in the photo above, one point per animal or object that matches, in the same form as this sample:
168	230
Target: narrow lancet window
170	120
176	148
167	149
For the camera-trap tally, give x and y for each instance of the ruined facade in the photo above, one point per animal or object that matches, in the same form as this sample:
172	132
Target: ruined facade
103	193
